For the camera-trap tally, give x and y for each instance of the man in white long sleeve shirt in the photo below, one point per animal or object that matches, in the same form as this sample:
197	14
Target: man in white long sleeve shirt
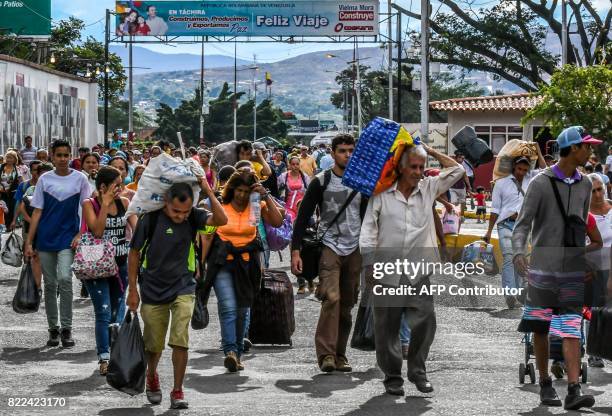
400	221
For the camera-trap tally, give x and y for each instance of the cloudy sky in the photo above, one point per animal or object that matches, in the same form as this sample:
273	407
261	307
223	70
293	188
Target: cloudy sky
92	12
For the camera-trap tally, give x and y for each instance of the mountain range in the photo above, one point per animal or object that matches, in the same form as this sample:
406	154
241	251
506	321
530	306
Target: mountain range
301	84
146	61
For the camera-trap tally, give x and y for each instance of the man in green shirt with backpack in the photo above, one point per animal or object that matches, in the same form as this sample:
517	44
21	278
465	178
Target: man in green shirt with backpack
162	260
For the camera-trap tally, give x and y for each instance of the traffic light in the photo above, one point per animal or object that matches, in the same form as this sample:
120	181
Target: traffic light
268	79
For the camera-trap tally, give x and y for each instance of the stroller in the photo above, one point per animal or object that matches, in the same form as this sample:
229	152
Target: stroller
555	345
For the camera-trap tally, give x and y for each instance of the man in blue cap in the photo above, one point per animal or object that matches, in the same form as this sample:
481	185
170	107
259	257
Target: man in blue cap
555	211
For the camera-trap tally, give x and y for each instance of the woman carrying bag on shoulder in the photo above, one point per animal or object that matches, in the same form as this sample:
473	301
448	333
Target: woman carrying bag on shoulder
233	266
104	218
9	180
293	184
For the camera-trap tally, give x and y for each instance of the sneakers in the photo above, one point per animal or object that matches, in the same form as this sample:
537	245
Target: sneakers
54	338
247	344
311	287
328	364
66	336
395	391
548	395
103	367
558	369
231	362
511	302
177	400
423	385
240	365
575	399
301	290
343	365
153	390
595	362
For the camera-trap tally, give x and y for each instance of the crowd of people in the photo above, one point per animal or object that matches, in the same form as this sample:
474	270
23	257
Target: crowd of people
219	239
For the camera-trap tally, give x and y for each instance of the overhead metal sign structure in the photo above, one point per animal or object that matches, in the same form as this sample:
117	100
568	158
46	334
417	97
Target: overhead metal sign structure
247	18
174	21
243	21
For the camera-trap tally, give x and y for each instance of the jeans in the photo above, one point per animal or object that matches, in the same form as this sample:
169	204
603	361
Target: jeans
232	318
404	331
510	278
108	299
56	272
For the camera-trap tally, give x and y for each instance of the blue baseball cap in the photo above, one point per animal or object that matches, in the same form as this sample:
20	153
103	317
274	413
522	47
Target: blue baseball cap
575	135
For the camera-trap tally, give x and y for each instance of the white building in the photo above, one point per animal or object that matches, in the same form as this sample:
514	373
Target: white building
45	104
496	119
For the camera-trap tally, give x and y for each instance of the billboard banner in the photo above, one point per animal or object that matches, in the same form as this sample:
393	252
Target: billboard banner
31	19
247	18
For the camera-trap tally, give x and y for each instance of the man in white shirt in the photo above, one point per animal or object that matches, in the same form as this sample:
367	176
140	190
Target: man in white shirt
327	161
507	200
156	24
399	223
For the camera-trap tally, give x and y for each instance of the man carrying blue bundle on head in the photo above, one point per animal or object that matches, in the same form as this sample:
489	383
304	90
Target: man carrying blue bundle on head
400	219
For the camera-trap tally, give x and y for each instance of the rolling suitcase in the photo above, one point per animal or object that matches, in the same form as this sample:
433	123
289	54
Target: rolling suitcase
272	318
600	332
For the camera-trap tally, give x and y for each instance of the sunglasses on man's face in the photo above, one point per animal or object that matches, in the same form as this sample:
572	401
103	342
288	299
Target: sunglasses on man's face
598	190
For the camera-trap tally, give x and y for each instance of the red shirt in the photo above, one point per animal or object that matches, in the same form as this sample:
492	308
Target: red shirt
480	200
76	164
591	222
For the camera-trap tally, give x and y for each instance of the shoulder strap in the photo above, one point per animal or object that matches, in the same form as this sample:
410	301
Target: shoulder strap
95	205
326	178
340	211
153	216
558	199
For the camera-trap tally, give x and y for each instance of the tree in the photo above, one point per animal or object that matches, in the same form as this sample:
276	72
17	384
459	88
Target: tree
72	55
118	116
219	123
374	90
509	39
577	96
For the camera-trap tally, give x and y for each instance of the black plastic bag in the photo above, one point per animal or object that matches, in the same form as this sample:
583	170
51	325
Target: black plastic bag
600	332
200	318
27	297
363	334
476	150
127	366
12	252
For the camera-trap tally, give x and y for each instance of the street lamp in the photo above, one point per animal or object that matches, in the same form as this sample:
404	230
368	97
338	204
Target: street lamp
356	61
235	103
345	91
